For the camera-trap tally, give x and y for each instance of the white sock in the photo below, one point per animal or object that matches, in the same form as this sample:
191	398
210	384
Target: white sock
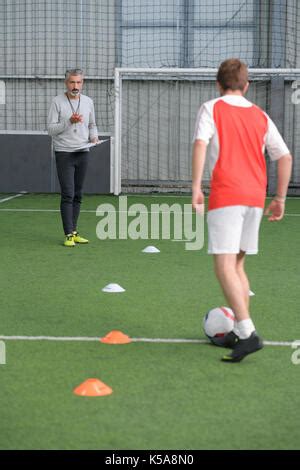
245	328
235	329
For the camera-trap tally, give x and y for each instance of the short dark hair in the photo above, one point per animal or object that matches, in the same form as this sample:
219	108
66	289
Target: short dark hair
233	75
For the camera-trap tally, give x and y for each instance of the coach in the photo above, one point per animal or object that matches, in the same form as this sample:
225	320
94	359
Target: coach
71	123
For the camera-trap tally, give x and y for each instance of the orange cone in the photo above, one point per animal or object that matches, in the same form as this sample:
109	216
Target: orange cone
116	337
92	388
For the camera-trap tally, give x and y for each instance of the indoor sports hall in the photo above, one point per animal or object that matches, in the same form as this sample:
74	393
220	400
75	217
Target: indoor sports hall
102	344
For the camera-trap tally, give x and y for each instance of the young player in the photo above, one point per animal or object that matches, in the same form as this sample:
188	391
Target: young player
237	132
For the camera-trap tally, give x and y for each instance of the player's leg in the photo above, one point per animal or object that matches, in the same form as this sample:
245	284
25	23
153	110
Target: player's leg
234	291
240	268
79	177
232	285
249	342
224	234
226	229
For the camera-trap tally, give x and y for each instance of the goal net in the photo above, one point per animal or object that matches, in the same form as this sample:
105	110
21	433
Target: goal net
155	113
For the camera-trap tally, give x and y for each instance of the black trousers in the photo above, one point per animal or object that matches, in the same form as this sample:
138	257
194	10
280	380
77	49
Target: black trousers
71	170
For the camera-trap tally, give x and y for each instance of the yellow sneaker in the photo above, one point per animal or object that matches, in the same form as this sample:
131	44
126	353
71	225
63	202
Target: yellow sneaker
69	241
78	239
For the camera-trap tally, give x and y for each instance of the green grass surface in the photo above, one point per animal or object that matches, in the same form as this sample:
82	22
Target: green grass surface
166	396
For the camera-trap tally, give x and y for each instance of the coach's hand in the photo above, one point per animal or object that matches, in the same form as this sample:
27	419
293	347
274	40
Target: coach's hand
198	201
75	118
276	209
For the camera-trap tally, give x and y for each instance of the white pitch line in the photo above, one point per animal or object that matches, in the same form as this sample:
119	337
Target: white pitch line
170	195
34	210
13	197
43	210
48	338
169	340
94	211
135	340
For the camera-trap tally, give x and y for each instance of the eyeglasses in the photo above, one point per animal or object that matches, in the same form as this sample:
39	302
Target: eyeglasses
73	72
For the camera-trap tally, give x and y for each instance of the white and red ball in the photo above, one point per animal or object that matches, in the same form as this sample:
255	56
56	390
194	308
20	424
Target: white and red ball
218	322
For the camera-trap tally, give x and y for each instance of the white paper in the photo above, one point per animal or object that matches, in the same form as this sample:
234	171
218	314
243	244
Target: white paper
91	144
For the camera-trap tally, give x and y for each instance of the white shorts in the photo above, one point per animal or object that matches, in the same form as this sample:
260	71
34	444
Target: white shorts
233	229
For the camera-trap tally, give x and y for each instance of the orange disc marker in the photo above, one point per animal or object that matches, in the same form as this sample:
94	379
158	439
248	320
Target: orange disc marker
116	337
92	388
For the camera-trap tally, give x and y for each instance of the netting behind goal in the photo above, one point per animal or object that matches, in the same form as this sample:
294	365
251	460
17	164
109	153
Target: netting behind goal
39	40
184	33
157	112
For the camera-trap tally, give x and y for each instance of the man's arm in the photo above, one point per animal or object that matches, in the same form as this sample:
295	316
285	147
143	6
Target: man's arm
56	125
93	132
277	206
199	155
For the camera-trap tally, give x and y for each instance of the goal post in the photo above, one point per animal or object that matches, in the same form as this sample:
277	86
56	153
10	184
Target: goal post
155	111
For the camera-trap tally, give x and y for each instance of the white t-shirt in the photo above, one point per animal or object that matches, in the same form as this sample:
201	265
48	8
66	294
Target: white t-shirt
237	133
205	129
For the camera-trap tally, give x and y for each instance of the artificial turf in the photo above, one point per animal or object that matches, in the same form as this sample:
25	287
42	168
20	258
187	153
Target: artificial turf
165	396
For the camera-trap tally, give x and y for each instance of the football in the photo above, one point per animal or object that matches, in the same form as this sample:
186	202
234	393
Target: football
218	322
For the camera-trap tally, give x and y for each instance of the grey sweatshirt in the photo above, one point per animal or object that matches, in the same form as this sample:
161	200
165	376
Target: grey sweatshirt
68	137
